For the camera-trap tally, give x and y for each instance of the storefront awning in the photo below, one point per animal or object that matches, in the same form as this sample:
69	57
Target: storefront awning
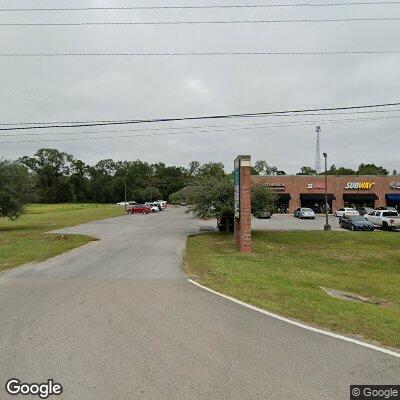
316	196
284	196
393	197
360	197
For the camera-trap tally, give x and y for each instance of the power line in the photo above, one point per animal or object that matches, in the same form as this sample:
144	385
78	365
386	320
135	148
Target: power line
278	115
225	116
244	53
221	22
202	7
187	132
241	126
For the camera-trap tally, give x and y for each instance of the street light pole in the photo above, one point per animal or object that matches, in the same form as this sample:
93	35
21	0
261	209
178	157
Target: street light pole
327	227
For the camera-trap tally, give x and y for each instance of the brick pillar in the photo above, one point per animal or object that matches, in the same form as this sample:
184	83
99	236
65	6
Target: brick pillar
339	203
294	203
243	223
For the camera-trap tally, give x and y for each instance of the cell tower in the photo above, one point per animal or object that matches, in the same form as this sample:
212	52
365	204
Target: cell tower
318	151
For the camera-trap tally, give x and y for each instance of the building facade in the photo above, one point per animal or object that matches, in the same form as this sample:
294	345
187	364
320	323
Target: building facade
343	191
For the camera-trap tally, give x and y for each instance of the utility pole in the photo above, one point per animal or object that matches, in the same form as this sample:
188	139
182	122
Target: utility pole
318	151
126	175
327	227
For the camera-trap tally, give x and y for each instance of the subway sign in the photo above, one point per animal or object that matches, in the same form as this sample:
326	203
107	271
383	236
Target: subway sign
359	185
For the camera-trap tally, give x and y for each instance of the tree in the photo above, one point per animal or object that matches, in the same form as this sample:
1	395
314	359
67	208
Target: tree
79	180
101	185
15	189
307	171
371	169
211	196
179	196
394	172
263	199
340	171
262	168
149	194
168	179
212	169
193	167
51	166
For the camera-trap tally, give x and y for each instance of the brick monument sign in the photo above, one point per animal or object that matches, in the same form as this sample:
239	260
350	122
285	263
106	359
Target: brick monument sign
242	195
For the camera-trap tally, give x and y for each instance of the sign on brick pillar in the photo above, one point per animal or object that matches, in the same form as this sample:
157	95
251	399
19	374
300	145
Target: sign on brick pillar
242	199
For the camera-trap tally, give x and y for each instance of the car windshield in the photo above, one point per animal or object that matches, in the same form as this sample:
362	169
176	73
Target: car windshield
307	210
357	218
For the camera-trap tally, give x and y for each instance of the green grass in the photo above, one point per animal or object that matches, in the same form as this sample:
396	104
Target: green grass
284	273
23	241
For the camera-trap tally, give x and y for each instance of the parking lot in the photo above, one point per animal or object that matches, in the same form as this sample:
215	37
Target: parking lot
284	222
287	222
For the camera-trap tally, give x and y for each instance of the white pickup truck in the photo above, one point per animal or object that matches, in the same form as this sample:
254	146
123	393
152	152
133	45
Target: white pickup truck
385	219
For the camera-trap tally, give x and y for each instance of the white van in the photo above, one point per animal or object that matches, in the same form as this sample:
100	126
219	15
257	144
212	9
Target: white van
162	203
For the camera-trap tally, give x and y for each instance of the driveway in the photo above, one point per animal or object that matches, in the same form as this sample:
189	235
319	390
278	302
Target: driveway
117	320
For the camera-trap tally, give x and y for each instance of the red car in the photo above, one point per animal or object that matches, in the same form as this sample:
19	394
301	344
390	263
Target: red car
139	209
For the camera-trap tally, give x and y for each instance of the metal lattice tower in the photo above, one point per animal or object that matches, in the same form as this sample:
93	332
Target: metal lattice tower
318	151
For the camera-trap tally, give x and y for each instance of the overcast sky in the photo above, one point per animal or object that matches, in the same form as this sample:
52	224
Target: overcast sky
79	89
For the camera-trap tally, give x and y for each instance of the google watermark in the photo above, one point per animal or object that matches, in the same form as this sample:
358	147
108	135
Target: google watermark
29	96
15	387
375	392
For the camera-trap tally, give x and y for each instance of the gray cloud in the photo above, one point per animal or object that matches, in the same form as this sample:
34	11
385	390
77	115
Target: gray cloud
119	88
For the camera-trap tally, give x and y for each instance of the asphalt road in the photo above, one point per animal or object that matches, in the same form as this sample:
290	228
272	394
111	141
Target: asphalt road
117	320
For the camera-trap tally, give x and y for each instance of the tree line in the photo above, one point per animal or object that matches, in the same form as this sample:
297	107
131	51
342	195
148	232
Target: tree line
52	176
262	168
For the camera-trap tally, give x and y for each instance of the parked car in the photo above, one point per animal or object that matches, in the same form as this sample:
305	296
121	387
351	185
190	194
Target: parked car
385	219
139	209
342	212
304	212
364	210
387	208
263	215
355	223
155	207
128	203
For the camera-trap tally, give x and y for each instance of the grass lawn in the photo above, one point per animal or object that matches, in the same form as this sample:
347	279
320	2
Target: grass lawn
23	240
286	269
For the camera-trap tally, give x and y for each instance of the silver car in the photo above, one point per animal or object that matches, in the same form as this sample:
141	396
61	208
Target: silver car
304	212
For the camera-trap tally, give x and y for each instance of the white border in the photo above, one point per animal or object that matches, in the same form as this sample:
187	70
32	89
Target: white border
299	324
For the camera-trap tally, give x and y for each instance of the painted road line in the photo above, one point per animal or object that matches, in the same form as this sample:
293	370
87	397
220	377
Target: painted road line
299	324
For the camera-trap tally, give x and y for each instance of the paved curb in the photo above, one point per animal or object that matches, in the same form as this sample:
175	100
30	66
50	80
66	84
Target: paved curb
299	324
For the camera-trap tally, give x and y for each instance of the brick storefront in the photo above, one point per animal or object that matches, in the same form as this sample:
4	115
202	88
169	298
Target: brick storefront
300	190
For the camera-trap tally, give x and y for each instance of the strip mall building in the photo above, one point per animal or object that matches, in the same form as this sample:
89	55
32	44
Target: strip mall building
343	191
